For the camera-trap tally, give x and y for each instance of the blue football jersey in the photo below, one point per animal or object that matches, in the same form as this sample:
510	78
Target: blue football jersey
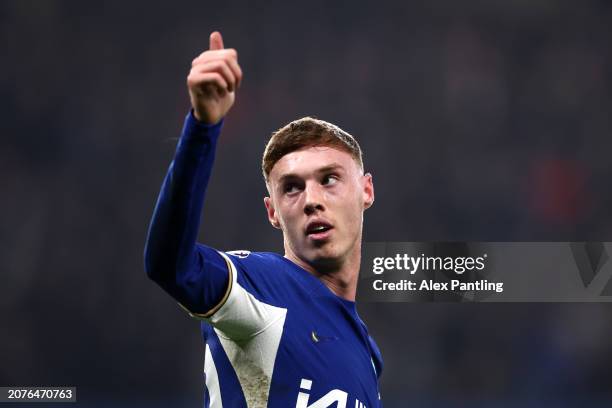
275	335
281	338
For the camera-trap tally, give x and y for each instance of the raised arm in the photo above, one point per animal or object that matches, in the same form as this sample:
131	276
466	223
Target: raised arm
195	275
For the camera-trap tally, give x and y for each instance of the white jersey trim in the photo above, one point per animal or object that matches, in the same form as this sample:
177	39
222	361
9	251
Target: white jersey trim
212	380
249	331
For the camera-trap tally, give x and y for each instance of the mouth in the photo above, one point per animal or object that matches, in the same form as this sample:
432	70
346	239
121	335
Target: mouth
318	230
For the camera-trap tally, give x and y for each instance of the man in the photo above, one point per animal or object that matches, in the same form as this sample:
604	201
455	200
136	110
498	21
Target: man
279	331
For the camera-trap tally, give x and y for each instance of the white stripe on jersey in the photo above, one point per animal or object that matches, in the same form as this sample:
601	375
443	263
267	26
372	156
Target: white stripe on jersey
212	380
249	332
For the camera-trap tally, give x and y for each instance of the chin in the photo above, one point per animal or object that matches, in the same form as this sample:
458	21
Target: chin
323	259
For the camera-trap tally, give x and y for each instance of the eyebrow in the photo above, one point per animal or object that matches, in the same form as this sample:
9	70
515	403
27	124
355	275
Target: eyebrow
325	169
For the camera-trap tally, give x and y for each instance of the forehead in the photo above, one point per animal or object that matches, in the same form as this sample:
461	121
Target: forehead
308	160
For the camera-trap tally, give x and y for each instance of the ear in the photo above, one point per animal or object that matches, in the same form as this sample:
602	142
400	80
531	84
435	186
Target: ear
368	191
271	212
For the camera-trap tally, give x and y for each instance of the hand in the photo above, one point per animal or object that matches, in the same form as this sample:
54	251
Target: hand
212	82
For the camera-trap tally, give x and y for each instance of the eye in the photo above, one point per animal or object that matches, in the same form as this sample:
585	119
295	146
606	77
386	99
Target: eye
291	188
329	180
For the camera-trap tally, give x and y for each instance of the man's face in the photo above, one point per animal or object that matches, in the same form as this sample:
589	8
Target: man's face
317	198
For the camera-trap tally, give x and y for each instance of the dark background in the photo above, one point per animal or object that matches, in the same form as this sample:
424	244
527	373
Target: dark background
480	120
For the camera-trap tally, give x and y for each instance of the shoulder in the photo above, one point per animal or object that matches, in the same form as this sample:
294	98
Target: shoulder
377	360
253	260
266	275
267	263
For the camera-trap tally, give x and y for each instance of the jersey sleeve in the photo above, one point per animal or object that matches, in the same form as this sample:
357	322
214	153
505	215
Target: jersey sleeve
195	275
251	305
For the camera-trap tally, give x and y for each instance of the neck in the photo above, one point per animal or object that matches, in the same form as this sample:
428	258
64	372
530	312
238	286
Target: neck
339	276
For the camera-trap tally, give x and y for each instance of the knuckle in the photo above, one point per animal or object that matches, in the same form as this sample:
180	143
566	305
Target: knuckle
223	68
210	66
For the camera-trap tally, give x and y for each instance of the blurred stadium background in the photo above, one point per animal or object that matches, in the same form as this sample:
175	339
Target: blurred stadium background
480	120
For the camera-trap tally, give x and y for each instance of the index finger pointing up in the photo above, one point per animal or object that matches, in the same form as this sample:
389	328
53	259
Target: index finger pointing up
216	41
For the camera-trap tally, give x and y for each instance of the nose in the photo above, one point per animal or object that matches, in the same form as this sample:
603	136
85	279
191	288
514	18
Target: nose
313	198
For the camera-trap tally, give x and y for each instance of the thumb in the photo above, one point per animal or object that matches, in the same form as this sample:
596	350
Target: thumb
216	41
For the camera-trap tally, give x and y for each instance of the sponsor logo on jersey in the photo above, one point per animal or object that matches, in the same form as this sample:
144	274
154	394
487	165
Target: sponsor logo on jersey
336	398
